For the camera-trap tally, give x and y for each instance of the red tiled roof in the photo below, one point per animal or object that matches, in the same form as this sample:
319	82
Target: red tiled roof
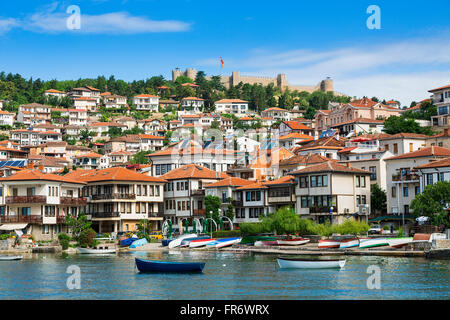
255	185
440	88
282	180
146	96
230	182
406	135
425	152
231	101
347	149
193	98
193	171
111	174
90	155
31	175
296	125
436	164
330	166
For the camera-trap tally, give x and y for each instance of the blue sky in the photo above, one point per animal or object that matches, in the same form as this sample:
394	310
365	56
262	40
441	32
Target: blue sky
136	39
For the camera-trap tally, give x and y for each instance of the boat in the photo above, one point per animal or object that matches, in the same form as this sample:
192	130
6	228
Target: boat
200	242
128	241
10	258
168	266
185	242
225	242
349	243
286	263
266	243
329	244
138	243
96	250
399	242
251	239
293	242
369	243
165	242
177	241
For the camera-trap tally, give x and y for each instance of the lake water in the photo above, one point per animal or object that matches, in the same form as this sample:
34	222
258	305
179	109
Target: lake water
226	276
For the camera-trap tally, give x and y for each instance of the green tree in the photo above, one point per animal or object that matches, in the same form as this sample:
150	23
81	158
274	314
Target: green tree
397	124
377	199
433	203
212	204
284	221
77	224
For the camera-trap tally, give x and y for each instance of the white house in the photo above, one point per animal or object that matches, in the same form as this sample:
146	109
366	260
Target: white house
237	107
6	118
146	102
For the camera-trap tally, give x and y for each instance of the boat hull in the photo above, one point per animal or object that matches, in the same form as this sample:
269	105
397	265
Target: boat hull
127	242
138	243
370	243
145	266
349	243
292	242
222	243
309	264
96	251
200	243
324	244
266	243
186	242
399	242
10	258
177	242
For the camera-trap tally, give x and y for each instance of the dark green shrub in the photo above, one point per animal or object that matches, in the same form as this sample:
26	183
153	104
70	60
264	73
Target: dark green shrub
226	233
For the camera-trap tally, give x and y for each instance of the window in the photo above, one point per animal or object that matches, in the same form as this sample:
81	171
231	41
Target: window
386	146
411	147
429	178
417	190
394	192
373	175
313	181
303	182
405	191
358	181
395	148
363	199
363	181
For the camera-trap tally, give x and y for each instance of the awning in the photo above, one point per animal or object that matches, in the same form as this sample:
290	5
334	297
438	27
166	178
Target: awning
393	218
13	226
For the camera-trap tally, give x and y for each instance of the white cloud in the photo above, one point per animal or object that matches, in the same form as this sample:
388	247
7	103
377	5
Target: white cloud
403	70
49	21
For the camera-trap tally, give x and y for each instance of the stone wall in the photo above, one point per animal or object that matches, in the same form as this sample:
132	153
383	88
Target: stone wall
5	244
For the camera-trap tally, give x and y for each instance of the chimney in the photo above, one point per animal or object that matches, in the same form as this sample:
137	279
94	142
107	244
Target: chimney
348	165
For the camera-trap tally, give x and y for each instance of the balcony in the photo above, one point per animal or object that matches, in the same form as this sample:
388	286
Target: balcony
114	196
322	210
410	177
237	203
26	199
26	219
198	192
199	212
278	199
73	201
104	215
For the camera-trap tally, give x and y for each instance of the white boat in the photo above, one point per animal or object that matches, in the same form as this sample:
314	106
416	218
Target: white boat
369	243
200	243
349	243
399	242
96	250
286	263
10	258
227	242
438	236
177	242
292	242
328	244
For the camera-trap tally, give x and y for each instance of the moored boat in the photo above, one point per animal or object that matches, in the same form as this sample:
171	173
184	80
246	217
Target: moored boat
200	242
370	243
168	266
323	244
252	239
138	243
165	242
296	263
293	242
185	242
222	243
10	258
128	241
96	250
177	241
349	243
266	243
399	242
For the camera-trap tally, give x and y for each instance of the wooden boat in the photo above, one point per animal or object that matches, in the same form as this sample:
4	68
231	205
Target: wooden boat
309	263
222	243
293	242
138	243
399	242
369	243
10	258
329	244
177	241
185	242
349	243
266	243
96	250
200	242
168	266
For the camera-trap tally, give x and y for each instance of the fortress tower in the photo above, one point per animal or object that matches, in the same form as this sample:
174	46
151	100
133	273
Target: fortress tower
326	85
190	73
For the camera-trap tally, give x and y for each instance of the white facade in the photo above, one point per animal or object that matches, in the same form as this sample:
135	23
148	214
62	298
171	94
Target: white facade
146	102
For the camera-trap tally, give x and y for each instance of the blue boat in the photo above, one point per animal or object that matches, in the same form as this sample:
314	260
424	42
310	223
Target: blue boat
188	240
168	266
166	242
139	243
127	242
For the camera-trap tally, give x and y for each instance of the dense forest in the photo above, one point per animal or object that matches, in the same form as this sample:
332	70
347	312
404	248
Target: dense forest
17	90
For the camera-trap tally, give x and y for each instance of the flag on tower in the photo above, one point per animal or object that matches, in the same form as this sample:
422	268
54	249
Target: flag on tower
221	62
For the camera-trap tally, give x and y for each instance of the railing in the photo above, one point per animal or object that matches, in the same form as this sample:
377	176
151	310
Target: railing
237	203
199	212
73	201
110	196
26	199
198	192
61	219
405	177
29	219
105	214
287	198
322	209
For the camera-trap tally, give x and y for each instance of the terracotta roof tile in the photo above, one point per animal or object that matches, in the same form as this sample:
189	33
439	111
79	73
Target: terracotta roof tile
230	182
193	171
425	152
111	174
436	164
32	175
330	166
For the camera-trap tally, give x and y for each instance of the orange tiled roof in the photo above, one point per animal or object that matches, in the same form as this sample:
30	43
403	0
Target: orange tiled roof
406	135
283	180
54	91
330	166
230	182
436	164
90	155
146	96
193	171
440	88
309	159
255	185
150	136
425	152
296	125
296	135
231	101
193	98
111	174
274	109
31	175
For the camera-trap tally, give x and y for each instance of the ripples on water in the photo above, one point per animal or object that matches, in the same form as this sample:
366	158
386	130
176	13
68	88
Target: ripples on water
226	276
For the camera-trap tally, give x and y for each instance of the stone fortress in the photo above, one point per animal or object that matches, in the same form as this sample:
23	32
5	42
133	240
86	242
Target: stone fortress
279	81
